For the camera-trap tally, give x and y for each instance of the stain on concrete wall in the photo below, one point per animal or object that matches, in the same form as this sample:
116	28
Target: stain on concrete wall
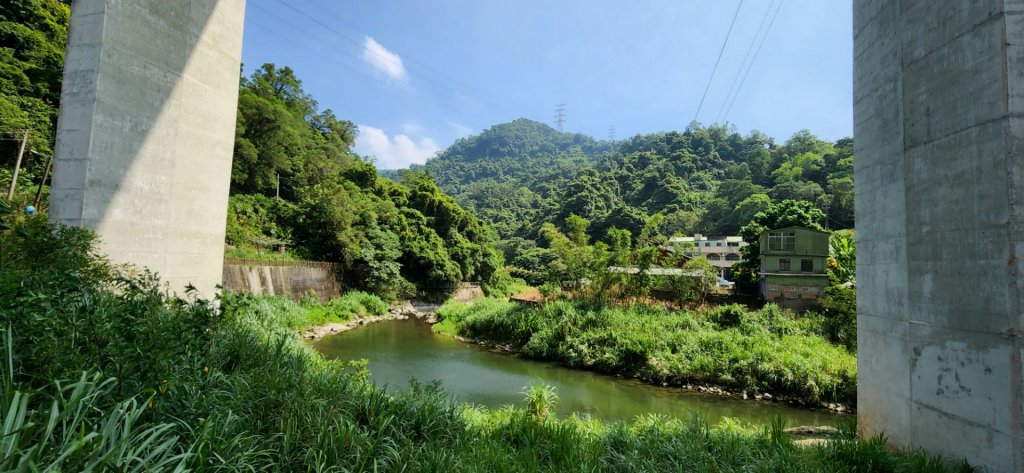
294	279
938	134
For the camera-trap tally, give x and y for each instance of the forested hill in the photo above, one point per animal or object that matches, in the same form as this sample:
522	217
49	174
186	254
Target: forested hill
511	150
709	180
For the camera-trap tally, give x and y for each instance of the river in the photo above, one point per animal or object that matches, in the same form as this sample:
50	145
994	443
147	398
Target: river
401	350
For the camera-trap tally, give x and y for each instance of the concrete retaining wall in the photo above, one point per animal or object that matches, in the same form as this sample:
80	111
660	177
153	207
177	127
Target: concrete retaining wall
281	278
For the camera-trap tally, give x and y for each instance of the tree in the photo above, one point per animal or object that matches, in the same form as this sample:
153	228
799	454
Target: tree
842	262
700	278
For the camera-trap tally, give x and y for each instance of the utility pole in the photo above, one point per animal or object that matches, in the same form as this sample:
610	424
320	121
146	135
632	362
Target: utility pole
278	187
17	166
46	174
611	133
560	116
824	206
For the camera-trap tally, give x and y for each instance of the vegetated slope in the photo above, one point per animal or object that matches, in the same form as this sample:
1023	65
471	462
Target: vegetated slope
511	174
710	179
32	38
104	372
390	237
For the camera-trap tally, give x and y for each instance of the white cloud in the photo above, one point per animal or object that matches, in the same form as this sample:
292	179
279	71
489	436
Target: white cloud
377	56
394	153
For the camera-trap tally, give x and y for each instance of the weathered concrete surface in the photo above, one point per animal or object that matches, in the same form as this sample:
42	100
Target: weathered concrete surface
146	131
295	279
938	108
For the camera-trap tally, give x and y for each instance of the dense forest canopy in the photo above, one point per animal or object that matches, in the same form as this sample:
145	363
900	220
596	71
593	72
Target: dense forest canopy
705	179
32	38
393	238
494	190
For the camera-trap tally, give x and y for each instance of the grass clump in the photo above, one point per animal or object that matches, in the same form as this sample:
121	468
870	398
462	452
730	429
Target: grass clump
272	311
104	372
758	351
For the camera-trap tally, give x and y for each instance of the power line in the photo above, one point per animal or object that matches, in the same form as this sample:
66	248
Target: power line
743	64
560	116
355	42
320	52
422	64
756	52
720	52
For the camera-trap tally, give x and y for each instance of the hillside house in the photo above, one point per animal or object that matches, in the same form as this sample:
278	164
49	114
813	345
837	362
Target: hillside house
722	252
793	263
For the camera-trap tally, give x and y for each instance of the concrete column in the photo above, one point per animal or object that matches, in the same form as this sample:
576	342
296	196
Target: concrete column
938	109
146	132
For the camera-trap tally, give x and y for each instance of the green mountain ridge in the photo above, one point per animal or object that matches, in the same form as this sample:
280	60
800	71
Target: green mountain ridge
705	179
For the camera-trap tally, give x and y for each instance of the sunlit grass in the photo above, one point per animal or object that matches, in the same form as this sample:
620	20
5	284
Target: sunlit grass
760	352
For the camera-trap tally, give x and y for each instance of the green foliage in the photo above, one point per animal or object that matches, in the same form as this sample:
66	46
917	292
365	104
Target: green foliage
279	312
172	384
394	239
32	38
522	175
842	264
541	400
839	309
765	351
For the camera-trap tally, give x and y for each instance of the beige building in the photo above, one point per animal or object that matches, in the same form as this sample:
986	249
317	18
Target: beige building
722	252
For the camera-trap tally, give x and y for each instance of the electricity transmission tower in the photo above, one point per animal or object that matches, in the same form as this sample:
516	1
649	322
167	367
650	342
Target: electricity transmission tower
560	116
611	133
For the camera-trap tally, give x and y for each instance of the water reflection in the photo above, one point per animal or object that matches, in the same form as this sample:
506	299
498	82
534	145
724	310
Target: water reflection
400	351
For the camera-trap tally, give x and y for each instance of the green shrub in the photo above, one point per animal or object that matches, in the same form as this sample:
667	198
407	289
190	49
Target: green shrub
839	311
764	351
174	384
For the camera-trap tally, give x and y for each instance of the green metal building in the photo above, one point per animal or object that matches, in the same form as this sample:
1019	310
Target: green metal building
793	263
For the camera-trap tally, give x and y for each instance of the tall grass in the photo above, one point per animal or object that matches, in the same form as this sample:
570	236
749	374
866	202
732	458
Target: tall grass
107	373
281	312
766	351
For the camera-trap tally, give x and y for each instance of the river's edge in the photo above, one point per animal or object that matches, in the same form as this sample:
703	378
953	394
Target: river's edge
413	309
401	311
716	390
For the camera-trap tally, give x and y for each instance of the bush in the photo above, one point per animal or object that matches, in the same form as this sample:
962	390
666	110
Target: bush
173	384
839	310
764	351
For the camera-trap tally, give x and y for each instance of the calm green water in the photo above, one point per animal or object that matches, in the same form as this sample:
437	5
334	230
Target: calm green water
400	351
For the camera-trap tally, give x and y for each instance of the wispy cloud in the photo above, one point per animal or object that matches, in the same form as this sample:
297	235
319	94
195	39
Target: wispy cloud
460	129
394	153
387	62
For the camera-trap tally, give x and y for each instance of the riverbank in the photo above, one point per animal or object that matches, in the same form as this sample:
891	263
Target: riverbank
400	311
763	356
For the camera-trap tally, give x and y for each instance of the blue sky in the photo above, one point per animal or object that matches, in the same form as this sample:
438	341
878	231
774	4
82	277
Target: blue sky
415	75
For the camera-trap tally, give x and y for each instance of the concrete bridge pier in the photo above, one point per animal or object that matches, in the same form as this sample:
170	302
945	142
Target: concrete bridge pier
939	136
146	132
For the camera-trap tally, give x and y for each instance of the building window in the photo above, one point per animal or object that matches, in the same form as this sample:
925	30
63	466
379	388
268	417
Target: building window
734	243
707	243
718	243
806	266
714	257
782	241
732	257
784	265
